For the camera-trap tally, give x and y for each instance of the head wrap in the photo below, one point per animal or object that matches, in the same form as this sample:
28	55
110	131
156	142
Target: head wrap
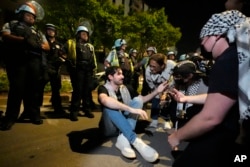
220	23
236	27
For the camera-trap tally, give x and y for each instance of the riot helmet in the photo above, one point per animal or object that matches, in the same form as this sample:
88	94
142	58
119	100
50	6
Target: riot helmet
31	7
50	26
120	42
151	48
132	51
78	33
82	28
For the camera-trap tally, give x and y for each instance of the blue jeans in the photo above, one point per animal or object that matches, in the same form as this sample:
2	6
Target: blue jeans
113	121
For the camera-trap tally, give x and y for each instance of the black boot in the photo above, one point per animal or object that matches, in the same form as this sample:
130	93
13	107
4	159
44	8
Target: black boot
6	124
89	114
73	116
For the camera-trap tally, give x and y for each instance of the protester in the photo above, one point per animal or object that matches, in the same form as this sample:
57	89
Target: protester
189	81
24	64
158	71
121	107
213	131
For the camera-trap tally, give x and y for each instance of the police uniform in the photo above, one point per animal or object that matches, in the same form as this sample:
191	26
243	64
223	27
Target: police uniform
24	70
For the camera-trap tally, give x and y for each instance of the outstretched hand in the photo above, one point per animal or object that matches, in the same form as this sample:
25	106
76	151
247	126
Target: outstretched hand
162	87
178	96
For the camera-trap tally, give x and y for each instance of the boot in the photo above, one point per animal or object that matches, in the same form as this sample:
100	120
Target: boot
89	114
147	152
73	116
124	146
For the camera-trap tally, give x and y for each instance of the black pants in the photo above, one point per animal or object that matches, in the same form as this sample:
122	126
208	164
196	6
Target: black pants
80	80
56	84
210	150
24	80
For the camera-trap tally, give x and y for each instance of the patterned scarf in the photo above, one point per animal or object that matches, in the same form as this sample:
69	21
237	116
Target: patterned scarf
126	98
241	35
237	28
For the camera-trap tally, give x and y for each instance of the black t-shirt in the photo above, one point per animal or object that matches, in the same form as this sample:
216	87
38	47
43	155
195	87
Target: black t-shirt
224	79
102	89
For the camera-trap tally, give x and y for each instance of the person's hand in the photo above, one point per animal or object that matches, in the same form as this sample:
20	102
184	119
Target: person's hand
140	112
173	141
178	96
163	86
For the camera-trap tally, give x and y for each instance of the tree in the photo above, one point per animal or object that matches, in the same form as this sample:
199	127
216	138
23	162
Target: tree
140	29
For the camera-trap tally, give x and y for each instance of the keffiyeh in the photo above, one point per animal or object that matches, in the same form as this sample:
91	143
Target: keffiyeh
236	27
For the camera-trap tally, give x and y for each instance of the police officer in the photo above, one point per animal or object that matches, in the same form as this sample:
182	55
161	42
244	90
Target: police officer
171	55
55	60
118	57
23	65
81	64
137	71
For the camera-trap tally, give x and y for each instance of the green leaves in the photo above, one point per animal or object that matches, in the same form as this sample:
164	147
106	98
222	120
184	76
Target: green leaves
140	29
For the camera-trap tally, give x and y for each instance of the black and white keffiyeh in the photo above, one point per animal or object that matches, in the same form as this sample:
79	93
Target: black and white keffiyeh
236	27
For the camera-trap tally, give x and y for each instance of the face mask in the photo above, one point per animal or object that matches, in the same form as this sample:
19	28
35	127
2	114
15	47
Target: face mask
207	55
179	81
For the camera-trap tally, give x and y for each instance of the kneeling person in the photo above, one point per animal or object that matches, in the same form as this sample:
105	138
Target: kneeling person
121	107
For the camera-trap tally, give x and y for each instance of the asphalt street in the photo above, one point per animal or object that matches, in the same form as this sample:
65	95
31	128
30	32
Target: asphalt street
58	142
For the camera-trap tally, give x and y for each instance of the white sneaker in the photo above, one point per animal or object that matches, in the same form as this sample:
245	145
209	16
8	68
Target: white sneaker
147	152
124	146
167	125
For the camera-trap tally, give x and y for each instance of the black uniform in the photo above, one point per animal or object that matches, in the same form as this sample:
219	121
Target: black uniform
81	71
24	71
54	63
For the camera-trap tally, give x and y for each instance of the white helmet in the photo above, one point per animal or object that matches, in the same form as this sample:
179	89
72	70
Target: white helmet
170	53
82	28
27	7
183	57
132	51
32	7
120	42
153	49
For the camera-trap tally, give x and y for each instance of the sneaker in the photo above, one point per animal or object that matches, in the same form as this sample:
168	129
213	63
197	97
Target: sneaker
147	152
167	125
124	146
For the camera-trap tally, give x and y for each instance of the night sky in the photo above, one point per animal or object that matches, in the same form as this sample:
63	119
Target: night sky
190	16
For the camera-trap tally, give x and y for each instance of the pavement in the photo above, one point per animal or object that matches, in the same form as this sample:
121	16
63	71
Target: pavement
58	142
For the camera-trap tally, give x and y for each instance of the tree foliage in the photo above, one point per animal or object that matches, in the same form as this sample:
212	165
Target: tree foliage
140	29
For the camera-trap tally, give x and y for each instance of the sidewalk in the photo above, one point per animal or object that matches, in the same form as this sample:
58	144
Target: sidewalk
58	142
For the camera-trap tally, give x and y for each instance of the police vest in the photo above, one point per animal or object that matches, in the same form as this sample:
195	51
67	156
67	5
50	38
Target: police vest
123	61
81	54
